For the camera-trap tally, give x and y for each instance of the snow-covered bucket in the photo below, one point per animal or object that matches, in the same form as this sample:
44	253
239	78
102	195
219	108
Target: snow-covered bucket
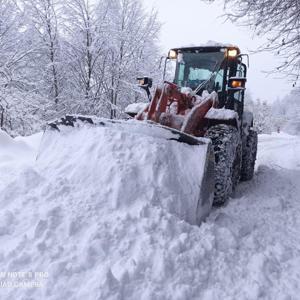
129	163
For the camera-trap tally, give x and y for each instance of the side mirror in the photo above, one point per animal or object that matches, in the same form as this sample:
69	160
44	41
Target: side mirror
247	56
237	83
145	83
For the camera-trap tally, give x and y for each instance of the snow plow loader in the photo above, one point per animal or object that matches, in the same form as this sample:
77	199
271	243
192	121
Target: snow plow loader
203	106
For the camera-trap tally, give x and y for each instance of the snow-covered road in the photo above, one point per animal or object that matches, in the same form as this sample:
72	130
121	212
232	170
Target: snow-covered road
90	248
264	219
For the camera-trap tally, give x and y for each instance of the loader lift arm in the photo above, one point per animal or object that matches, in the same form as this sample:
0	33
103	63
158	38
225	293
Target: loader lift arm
169	102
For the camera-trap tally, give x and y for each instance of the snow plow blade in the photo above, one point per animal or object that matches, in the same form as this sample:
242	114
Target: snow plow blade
188	192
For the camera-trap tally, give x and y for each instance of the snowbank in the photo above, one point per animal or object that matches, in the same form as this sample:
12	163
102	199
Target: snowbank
20	148
278	151
10	148
67	216
15	153
96	208
33	141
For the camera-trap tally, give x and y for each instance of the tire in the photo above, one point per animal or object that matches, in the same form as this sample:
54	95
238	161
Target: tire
237	166
249	156
226	140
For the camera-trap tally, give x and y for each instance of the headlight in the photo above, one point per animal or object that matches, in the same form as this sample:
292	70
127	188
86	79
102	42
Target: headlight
172	54
232	53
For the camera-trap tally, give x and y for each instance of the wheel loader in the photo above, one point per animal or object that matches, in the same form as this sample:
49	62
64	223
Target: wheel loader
206	99
202	105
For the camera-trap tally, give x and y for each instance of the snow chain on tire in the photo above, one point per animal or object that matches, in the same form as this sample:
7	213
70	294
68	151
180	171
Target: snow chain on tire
227	148
249	156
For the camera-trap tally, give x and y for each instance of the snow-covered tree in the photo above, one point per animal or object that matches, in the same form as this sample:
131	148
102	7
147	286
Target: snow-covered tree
42	26
278	20
66	56
132	49
83	48
18	95
108	45
286	112
264	120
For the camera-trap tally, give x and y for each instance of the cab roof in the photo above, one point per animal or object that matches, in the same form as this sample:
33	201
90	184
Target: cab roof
207	48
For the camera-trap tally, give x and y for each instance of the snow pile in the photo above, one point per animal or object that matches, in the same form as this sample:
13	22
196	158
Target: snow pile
14	154
221	114
67	215
126	168
10	148
19	148
32	141
96	209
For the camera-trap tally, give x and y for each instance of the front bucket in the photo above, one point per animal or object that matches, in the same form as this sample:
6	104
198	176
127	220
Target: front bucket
207	186
136	161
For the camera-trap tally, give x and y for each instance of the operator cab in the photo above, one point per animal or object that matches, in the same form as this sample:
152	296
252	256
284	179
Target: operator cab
218	69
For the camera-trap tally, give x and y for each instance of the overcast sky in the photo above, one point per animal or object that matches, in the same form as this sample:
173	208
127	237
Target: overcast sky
187	22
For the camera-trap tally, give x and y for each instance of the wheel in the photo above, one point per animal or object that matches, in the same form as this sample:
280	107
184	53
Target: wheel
226	140
237	166
249	155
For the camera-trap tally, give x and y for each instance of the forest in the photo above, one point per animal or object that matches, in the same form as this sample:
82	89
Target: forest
83	57
72	56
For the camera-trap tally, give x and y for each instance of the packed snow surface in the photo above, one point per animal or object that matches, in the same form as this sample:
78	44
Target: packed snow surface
74	214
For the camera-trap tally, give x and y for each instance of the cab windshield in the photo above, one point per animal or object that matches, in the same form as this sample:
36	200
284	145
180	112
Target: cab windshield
194	69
